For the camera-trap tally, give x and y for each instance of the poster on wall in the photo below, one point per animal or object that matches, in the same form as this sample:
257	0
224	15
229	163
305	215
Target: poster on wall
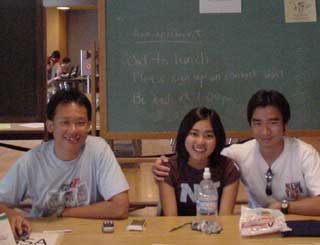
300	11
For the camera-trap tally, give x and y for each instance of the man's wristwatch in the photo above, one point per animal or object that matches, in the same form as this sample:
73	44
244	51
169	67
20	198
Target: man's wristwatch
284	206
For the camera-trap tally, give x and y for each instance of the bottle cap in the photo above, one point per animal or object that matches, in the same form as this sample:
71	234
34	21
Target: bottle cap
206	173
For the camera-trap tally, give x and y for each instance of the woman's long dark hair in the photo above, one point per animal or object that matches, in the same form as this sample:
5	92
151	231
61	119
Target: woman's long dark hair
192	117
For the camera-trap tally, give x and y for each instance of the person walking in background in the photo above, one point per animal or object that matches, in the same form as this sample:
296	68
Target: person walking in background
53	65
65	67
64	71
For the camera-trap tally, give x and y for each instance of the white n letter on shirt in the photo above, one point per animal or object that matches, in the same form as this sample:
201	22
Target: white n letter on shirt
186	191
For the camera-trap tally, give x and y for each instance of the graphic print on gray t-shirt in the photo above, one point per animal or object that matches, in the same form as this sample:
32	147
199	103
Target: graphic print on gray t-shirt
70	195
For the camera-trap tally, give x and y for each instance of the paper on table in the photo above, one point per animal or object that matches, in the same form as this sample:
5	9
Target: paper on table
6	235
7	238
42	238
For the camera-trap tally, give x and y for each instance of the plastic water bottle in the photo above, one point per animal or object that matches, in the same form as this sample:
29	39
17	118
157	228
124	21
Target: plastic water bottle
207	204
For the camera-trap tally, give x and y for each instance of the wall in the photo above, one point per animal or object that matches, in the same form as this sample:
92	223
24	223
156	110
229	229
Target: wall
63	33
82	30
56	31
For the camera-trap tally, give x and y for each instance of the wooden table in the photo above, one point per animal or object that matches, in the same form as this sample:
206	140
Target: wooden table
86	231
18	132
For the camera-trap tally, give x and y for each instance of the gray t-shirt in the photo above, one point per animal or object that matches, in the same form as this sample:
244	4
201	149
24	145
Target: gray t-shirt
93	176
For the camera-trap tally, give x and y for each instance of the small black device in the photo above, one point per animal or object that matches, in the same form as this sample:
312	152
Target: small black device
285	206
24	236
107	226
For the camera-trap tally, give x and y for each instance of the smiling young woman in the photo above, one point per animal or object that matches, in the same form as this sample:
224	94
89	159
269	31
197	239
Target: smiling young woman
200	139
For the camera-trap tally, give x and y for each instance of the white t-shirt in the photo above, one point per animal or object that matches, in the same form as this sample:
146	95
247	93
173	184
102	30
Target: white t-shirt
93	176
296	172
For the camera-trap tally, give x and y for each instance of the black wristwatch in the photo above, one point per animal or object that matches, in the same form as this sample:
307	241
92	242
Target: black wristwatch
285	206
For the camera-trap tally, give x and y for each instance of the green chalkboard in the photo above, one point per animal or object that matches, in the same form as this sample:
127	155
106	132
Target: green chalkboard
164	58
22	67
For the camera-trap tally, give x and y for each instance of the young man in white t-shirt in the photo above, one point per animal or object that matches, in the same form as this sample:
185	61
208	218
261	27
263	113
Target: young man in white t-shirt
278	172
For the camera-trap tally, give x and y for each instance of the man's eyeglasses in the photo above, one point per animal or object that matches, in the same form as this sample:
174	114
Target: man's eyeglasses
269	176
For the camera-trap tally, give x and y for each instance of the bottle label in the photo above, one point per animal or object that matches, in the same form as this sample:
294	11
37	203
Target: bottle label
207	208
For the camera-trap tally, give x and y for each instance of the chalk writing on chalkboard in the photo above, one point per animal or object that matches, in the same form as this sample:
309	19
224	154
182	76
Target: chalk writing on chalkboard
165	58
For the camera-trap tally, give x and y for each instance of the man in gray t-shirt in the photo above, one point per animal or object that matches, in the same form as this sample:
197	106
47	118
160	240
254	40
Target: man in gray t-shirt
73	175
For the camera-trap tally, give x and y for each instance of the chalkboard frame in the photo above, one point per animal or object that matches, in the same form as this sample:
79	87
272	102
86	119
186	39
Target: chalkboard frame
39	53
103	83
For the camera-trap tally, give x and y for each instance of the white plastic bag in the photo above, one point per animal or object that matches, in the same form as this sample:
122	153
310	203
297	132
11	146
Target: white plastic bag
261	221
